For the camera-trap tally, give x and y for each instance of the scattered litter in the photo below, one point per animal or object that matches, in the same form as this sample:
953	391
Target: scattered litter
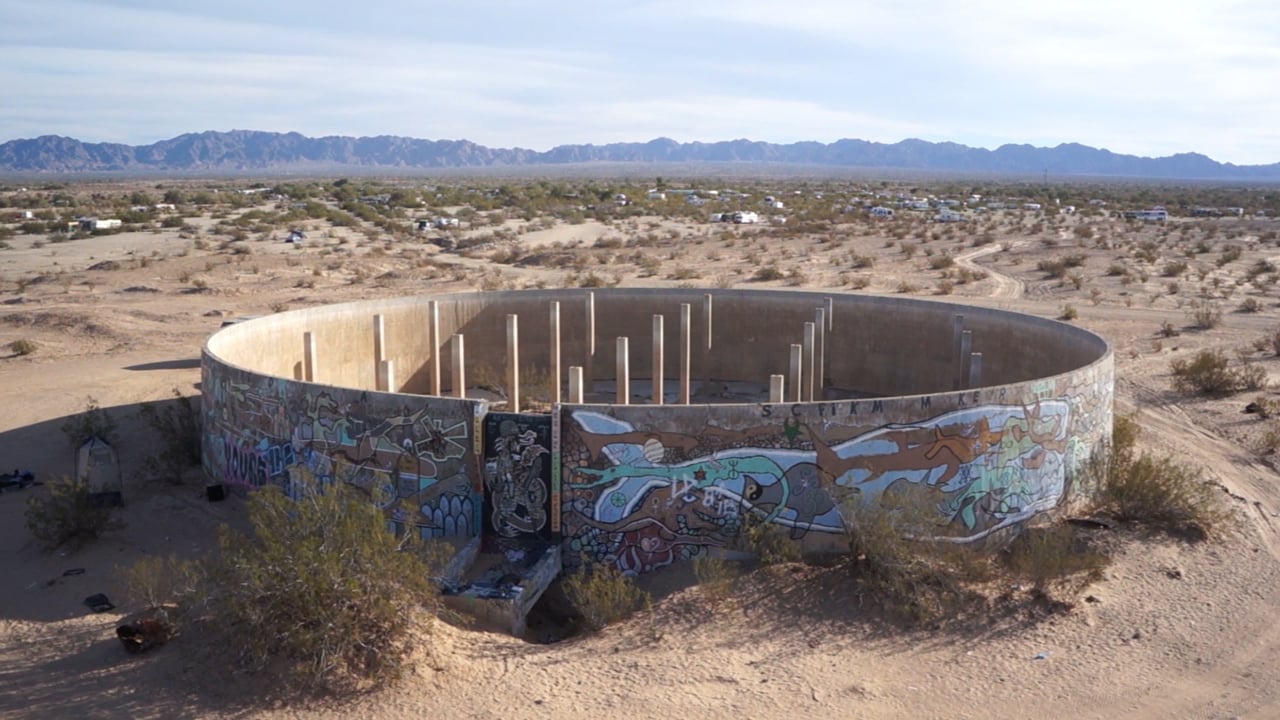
1043	655
99	603
1092	599
1174	574
72	571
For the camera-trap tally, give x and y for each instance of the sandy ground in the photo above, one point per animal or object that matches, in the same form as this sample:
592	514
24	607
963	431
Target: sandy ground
1175	630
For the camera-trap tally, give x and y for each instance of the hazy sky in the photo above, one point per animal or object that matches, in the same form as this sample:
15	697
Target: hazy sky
1148	78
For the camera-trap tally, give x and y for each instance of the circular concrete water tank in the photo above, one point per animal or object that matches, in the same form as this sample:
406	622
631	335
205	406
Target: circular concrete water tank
980	418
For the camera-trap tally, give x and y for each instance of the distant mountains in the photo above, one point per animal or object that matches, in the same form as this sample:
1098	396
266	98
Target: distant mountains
253	151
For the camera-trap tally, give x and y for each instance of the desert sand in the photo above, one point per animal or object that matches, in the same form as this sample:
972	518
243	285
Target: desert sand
1173	630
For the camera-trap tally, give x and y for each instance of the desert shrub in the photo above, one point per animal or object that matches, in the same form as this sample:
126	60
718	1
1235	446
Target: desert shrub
1205	314
1156	490
716	576
1168	330
169	584
67	515
915	580
320	590
1069	313
1251	305
770	543
768	273
602	595
178	425
1174	268
1209	373
93	421
22	346
1049	556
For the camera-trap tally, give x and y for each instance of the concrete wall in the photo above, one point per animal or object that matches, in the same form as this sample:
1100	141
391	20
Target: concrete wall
640	486
415	452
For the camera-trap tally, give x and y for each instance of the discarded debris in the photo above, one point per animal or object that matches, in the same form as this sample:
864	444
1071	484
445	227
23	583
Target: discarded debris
99	603
142	635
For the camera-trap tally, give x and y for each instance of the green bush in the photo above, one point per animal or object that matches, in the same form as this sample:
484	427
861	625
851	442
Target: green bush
915	580
1209	372
602	595
1050	556
22	346
1156	490
94	421
178	425
66	515
771	543
320	586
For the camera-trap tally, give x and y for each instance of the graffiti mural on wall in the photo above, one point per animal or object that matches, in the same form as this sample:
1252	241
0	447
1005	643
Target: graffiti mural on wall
517	475
416	459
643	498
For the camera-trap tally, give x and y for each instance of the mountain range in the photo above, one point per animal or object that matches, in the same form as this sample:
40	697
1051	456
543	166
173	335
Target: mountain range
256	151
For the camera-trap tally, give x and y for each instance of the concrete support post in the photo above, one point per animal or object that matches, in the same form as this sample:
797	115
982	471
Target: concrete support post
379	353
555	352
831	307
623	395
809	332
575	384
459	368
819	351
659	382
433	340
387	376
777	388
706	346
966	344
957	333
686	321
975	370
308	357
513	363
589	361
797	361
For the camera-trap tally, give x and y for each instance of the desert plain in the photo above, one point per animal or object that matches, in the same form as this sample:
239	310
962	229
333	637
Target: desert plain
1171	628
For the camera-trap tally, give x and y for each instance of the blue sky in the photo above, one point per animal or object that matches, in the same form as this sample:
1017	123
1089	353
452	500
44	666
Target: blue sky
1147	78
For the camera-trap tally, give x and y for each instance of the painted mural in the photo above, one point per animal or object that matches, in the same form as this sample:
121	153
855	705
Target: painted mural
416	454
641	489
517	476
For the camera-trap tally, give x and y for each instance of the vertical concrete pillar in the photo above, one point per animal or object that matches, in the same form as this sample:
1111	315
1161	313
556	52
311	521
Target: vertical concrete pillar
975	370
433	340
809	332
308	357
831	306
658	380
459	368
623	394
575	384
797	361
513	363
555	352
706	346
777	388
387	376
819	351
589	361
957	333
379	353
686	320
966	343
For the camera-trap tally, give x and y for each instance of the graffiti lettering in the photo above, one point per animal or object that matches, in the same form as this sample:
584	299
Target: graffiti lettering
244	465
